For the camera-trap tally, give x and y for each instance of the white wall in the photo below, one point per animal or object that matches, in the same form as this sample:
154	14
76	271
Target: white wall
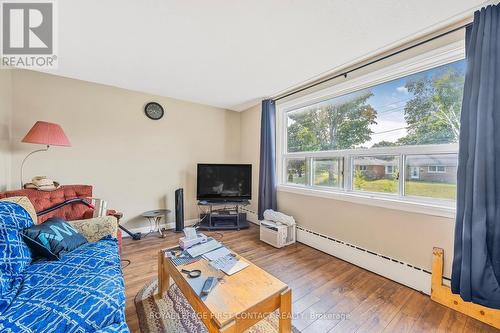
133	162
250	148
5	128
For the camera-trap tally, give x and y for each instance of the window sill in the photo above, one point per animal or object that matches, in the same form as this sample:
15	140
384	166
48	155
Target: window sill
396	203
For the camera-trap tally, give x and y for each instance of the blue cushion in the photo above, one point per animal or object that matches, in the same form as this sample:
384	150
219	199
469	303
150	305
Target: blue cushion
82	292
53	238
15	256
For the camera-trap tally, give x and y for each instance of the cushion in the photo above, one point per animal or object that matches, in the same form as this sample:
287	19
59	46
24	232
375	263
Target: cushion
82	292
25	203
53	238
15	254
97	227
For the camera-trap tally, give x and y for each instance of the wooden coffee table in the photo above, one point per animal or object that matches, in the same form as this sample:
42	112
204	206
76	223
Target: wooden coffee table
237	302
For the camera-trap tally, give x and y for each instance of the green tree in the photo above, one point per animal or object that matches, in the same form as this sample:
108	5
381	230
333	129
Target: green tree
384	143
332	126
433	114
359	179
296	168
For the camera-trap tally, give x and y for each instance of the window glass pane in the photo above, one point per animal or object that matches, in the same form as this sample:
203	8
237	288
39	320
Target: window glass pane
422	108
376	174
431	176
327	172
296	171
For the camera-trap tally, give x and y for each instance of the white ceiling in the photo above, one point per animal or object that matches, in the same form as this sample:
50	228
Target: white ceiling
229	53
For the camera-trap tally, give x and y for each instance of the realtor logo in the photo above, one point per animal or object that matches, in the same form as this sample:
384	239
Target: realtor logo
28	34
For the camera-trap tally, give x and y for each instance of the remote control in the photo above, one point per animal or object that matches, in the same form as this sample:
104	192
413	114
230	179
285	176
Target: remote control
207	287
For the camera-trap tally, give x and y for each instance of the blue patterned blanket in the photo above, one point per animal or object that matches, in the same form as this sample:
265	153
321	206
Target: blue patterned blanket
82	292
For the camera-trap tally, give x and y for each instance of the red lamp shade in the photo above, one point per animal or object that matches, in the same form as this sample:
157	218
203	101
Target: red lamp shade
47	134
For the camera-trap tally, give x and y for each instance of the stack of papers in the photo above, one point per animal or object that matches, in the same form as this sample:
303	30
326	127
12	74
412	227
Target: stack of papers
228	264
225	261
203	248
216	254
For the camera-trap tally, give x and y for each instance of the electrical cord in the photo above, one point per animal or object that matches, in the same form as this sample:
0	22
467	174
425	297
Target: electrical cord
213	233
147	234
209	233
200	221
127	261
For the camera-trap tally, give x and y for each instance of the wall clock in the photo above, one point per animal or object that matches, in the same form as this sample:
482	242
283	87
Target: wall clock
154	111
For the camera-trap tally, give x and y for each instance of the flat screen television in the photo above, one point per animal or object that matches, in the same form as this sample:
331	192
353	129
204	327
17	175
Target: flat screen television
224	182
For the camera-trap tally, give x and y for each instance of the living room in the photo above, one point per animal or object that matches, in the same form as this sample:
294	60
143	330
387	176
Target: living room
367	144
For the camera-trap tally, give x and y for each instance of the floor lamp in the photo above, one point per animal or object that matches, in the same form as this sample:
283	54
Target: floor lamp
47	134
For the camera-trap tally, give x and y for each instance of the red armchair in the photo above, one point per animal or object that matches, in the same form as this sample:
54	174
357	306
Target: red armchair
77	211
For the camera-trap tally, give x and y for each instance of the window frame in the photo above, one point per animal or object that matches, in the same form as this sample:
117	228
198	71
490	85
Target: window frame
431	206
436	169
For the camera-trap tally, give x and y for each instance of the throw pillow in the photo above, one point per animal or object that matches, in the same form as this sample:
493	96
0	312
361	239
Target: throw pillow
53	238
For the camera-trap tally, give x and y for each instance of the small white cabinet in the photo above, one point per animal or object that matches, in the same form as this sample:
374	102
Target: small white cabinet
277	235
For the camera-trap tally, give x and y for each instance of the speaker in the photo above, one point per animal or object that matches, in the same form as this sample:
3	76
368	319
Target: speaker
179	210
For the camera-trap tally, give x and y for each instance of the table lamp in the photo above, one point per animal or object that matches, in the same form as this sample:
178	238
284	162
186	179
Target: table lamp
44	133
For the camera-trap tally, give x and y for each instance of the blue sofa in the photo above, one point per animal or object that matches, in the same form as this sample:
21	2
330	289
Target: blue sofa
82	292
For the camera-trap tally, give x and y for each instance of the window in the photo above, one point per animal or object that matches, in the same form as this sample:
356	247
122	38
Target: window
436	169
433	181
396	139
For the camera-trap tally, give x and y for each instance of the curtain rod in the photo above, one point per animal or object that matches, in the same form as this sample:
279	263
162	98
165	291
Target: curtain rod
344	74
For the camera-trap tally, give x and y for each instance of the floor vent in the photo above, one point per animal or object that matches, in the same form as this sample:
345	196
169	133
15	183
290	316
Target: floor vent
394	269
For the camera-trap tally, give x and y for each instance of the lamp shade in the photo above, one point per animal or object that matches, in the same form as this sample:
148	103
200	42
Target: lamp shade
47	134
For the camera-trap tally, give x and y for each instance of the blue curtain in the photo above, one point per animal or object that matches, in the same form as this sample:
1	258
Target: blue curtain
476	262
267	175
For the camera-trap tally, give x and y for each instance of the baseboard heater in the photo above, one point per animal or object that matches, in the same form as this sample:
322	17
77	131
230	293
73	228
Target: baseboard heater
401	272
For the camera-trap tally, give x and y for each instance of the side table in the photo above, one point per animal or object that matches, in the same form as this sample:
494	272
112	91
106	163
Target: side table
154	219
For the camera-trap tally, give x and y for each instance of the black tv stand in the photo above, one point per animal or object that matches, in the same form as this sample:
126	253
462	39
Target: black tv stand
223	215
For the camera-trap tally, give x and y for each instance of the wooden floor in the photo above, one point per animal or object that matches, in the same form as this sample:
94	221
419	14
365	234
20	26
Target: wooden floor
329	295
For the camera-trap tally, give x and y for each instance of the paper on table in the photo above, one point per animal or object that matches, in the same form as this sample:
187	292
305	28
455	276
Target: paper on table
216	254
203	248
234	268
228	264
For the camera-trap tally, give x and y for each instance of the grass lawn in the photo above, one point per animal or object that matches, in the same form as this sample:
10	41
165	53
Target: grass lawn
431	190
297	180
322	179
412	188
379	185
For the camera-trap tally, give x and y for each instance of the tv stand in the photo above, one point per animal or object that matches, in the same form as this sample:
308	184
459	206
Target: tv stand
223	215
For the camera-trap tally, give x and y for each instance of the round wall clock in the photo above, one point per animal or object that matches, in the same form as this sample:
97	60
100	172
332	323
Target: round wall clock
154	111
